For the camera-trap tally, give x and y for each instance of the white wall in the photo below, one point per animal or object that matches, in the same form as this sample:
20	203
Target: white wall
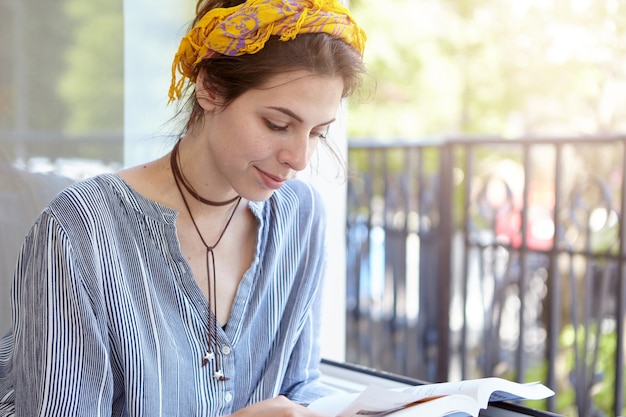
152	32
333	192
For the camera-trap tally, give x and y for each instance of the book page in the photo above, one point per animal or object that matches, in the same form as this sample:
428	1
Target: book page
374	399
484	390
441	399
332	405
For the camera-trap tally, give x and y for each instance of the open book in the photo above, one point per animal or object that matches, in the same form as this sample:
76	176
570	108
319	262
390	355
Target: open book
463	398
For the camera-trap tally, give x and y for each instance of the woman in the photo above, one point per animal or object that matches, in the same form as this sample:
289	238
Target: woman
190	286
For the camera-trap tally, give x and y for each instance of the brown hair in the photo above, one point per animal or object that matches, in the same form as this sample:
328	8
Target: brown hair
318	53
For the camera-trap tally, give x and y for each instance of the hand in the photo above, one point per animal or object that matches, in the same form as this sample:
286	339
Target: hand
276	407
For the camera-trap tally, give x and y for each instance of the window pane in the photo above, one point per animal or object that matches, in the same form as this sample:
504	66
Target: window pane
61	83
61	108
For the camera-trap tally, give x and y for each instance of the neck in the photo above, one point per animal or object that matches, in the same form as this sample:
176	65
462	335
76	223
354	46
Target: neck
181	180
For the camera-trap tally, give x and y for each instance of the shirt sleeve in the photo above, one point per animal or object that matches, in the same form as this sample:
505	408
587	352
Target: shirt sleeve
60	358
302	382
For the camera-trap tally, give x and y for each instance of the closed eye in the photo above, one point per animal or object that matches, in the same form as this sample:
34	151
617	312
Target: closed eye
275	127
321	135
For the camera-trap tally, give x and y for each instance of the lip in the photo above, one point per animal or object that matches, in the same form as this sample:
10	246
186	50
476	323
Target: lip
272	181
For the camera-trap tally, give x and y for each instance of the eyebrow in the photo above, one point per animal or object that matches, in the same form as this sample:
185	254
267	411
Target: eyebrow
295	116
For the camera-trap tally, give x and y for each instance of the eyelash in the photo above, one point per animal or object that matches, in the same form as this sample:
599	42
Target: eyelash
278	128
322	136
275	127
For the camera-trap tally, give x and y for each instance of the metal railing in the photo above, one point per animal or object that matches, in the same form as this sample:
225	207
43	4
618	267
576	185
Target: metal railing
490	257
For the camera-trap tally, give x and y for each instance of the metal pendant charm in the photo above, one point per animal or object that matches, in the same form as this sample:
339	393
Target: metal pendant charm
207	358
220	376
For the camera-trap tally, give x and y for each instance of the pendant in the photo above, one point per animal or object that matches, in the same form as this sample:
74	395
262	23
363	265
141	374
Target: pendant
220	376
207	358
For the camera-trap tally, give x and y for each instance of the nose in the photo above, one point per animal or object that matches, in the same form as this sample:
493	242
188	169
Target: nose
296	152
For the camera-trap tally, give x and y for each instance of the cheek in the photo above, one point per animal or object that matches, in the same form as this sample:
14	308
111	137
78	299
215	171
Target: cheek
237	141
252	147
256	143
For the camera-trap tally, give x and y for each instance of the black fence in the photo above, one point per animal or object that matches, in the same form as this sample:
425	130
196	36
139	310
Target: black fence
489	257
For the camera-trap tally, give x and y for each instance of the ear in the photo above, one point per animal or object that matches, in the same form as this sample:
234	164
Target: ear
205	94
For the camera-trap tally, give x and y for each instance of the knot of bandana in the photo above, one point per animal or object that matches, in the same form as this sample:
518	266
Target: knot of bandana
245	28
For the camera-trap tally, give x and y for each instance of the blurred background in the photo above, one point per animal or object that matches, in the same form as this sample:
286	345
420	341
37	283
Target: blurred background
507	68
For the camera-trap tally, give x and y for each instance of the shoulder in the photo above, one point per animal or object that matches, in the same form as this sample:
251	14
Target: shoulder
88	194
81	205
298	192
297	202
297	198
105	199
72	215
109	192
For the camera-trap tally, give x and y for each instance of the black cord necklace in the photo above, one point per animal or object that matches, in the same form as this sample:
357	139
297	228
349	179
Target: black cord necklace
210	259
178	175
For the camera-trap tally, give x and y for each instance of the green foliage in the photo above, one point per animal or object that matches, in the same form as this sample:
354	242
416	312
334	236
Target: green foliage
536	373
510	68
32	37
92	84
573	344
65	72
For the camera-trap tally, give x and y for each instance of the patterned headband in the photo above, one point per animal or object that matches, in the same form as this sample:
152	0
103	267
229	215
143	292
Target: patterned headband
245	28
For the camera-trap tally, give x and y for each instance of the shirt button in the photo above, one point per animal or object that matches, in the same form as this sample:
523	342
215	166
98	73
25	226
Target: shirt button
226	350
228	397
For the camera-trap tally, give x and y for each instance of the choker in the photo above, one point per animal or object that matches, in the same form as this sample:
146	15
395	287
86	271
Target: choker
179	178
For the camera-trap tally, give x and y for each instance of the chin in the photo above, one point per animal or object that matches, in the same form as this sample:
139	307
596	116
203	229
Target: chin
259	196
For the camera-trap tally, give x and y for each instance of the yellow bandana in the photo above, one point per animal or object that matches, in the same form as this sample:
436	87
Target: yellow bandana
245	28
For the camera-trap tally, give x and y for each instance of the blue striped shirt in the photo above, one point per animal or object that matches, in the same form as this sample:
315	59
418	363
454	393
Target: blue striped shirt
109	321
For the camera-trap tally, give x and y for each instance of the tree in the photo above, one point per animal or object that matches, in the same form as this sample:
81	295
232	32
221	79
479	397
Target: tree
92	83
509	68
33	36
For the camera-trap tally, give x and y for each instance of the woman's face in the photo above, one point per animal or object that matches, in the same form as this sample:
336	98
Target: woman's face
268	134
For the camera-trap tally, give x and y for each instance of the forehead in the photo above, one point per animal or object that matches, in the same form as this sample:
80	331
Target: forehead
303	92
298	77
